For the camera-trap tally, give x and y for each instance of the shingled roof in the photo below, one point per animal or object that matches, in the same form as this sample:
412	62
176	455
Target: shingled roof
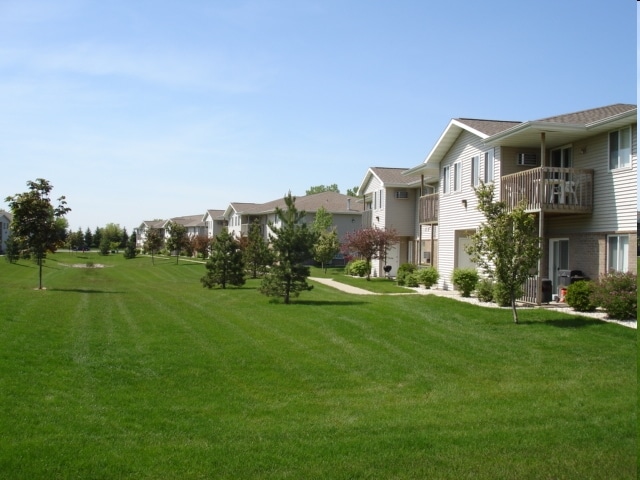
586	117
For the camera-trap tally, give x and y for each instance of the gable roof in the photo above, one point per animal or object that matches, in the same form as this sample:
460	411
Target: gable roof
559	130
7	215
333	202
213	214
188	221
390	177
567	128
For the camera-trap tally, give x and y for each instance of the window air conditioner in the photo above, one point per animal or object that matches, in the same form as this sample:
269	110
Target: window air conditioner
527	159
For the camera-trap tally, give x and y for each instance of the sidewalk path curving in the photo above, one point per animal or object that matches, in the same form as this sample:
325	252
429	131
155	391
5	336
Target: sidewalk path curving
342	286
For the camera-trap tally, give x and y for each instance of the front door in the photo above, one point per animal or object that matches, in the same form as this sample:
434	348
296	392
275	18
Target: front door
464	260
558	260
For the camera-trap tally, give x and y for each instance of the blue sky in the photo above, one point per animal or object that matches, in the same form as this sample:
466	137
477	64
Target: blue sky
137	110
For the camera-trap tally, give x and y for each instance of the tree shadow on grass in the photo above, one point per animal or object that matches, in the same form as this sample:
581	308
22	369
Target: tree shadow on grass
577	322
82	290
326	302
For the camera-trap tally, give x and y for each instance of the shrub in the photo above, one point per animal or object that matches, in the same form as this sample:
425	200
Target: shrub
412	280
465	280
358	268
501	295
484	290
428	276
616	293
404	271
580	296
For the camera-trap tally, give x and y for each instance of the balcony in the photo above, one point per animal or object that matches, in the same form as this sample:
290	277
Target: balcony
549	190
367	219
429	207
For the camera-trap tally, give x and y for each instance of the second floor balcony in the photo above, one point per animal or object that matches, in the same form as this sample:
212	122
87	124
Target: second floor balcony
428	208
549	189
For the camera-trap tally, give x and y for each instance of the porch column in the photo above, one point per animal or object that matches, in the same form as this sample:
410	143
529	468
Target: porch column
543	149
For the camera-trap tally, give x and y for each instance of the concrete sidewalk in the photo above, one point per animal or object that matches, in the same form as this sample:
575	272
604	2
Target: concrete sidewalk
342	286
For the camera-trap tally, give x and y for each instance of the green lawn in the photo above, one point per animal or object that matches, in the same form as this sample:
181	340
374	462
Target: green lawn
136	371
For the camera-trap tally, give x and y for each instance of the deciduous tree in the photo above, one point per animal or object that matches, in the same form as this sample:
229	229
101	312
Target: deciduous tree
153	242
323	188
177	239
36	222
506	245
371	243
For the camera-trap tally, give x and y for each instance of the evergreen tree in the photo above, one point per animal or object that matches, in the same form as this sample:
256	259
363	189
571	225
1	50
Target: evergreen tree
257	255
88	238
292	243
125	238
225	264
97	238
130	249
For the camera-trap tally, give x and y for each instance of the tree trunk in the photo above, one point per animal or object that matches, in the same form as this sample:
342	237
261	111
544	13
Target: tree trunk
40	273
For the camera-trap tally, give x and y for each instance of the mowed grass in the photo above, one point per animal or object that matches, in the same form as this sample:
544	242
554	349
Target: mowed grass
136	371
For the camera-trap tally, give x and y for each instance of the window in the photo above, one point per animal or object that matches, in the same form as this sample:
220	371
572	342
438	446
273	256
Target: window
620	148
446	179
488	166
457	176
618	253
402	194
475	171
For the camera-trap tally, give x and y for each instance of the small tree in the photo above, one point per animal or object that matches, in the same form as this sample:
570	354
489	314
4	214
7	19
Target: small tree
36	222
130	249
177	239
327	244
292	243
225	264
257	255
506	245
371	243
201	245
153	242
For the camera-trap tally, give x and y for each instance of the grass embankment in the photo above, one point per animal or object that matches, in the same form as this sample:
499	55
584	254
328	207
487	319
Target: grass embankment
136	371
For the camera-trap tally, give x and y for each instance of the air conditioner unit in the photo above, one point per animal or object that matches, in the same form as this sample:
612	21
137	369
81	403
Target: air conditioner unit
527	159
402	194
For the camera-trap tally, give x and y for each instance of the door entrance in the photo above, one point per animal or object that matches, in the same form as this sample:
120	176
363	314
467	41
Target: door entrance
558	260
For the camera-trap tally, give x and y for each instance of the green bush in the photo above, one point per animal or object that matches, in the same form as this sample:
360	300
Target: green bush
484	290
465	280
616	293
412	280
428	276
358	268
404	271
501	295
580	296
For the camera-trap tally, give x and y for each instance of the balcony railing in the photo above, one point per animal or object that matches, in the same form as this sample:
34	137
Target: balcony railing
367	218
549	189
429	207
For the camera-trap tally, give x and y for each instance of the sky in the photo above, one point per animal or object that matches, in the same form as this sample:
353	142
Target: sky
141	110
